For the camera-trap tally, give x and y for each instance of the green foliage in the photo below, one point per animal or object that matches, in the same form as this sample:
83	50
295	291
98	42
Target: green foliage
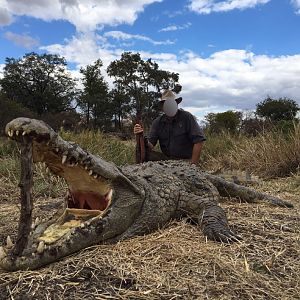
277	109
255	126
39	82
68	120
94	100
228	121
141	81
9	110
120	104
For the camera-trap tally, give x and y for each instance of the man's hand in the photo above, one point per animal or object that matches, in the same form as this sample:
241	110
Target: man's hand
138	129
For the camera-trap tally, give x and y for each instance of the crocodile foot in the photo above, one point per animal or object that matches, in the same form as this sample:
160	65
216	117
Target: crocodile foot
215	226
217	232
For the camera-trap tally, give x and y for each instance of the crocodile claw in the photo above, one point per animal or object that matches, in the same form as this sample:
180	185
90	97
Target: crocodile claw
224	236
215	226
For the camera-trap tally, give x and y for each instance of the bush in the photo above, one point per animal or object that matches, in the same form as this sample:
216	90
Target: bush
10	110
68	120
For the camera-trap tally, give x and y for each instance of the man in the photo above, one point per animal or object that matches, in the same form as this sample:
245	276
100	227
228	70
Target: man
178	133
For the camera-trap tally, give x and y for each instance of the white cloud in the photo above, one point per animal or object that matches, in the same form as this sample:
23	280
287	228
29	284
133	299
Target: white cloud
5	17
209	6
85	15
119	35
231	79
1	70
173	14
84	49
296	3
176	27
23	40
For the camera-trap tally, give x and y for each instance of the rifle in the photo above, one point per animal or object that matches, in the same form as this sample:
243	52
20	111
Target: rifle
140	149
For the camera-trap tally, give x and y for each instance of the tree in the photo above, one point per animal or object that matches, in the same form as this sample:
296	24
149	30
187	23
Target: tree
276	110
10	109
94	99
225	121
141	81
120	103
39	82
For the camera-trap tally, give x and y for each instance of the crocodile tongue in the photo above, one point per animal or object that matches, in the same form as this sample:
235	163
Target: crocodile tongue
87	200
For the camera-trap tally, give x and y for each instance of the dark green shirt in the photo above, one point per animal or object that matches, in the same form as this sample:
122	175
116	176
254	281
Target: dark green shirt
176	135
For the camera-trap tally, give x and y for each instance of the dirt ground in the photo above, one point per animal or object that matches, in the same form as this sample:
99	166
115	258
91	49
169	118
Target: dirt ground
175	262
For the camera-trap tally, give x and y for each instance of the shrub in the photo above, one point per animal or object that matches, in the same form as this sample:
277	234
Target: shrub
10	110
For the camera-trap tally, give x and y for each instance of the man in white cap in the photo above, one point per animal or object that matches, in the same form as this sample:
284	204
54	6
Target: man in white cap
178	133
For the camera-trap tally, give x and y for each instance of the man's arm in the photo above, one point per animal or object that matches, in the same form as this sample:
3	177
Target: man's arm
197	148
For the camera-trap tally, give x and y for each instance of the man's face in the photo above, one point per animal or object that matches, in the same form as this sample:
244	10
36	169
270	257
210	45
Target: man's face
170	107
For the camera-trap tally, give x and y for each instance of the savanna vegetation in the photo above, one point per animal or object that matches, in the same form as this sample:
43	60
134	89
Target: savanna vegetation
175	262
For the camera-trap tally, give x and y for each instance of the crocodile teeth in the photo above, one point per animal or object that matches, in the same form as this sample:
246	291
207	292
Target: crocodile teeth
9	242
64	159
86	167
37	221
41	247
17	132
2	253
10	133
95	176
24	133
90	172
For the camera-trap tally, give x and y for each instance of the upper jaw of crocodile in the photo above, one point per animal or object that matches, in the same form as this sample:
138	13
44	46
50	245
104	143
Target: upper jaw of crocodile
90	183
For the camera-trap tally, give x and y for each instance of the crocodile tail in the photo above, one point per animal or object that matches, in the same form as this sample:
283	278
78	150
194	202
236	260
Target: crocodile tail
247	194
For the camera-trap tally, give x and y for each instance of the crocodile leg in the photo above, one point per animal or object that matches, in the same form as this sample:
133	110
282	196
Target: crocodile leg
211	217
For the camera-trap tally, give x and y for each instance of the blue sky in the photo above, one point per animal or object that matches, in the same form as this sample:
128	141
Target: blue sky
230	54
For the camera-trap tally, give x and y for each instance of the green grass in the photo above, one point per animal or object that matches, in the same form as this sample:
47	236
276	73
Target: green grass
7	147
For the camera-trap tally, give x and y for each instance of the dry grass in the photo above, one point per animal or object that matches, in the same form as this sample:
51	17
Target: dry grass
108	147
272	154
175	262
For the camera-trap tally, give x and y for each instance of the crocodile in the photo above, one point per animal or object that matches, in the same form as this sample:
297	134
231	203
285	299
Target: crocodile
105	203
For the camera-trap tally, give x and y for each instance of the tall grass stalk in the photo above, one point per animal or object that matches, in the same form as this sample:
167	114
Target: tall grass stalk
272	154
108	147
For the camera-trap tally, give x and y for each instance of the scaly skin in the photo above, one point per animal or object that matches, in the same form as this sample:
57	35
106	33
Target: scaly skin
130	201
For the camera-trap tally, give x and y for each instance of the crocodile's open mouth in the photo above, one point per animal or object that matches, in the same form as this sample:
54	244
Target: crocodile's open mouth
86	189
95	188
89	193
